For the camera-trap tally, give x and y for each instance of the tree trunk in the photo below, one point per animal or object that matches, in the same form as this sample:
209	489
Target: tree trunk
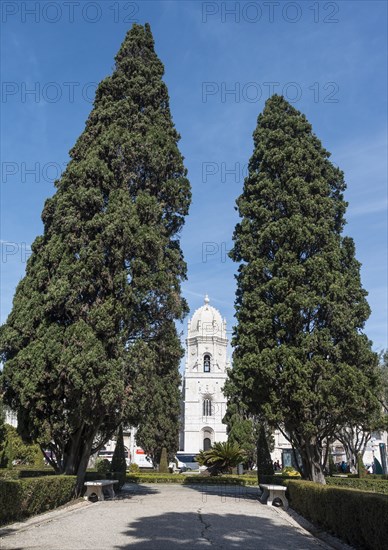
72	452
311	455
83	464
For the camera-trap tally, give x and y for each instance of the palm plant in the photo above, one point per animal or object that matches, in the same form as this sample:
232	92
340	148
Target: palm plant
221	457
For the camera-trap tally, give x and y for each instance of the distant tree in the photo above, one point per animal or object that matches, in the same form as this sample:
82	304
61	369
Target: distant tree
155	404
354	440
3	433
301	359
2	425
264	461
107	270
383	365
163	464
242	430
119	464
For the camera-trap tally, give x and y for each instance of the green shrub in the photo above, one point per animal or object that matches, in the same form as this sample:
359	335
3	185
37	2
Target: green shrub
103	466
289	471
358	517
372	485
7	473
14	449
134	468
370	476
221	457
27	497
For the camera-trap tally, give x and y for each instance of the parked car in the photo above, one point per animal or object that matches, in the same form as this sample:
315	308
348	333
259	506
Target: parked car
177	465
188	460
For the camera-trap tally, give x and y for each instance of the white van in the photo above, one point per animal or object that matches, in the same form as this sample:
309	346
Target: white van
141	459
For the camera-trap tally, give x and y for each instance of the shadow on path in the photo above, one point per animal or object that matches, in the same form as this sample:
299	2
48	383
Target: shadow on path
227	492
129	490
175	531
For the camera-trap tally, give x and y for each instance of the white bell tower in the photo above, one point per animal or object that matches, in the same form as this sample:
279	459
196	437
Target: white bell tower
204	404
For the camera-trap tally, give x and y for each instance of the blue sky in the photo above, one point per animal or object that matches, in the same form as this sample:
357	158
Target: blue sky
221	59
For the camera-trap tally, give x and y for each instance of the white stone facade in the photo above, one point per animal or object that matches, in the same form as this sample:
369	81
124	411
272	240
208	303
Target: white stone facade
204	404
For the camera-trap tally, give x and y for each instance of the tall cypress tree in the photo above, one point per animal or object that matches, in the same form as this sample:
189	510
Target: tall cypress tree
301	359
242	429
107	270
119	464
155	406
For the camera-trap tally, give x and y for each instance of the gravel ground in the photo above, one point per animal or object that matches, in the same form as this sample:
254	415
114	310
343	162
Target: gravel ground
161	517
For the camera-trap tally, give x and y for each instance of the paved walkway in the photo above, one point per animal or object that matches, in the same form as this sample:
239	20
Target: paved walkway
161	517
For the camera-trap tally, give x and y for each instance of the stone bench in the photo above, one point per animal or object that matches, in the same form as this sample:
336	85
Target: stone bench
273	492
97	487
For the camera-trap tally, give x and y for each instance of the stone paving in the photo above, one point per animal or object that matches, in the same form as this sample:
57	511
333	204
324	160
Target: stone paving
159	517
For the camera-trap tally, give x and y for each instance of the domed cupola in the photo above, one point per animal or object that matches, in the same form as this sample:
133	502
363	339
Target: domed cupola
207	322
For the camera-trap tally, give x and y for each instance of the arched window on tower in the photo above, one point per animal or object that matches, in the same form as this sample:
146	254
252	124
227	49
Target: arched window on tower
206	363
207	409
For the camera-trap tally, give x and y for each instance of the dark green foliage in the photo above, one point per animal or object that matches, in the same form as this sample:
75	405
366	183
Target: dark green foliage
357	517
119	464
156	396
106	272
163	464
383	364
301	359
221	457
368	483
2	426
264	461
242	430
3	433
27	497
103	466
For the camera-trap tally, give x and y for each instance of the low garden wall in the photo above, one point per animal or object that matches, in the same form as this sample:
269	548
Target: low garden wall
21	498
358	517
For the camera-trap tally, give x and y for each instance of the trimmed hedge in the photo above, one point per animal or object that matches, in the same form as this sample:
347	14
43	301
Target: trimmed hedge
372	485
276	479
18	473
369	476
357	517
22	498
191	479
